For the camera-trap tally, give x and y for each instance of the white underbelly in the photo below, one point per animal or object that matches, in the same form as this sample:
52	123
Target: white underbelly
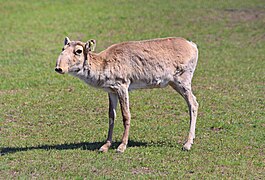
155	83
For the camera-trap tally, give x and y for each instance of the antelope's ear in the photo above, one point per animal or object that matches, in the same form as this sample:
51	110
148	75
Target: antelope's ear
90	45
66	40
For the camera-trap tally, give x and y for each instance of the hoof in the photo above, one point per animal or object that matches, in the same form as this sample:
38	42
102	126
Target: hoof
187	146
105	147
103	150
121	148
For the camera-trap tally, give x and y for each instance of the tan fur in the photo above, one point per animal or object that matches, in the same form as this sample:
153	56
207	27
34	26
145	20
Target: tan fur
133	65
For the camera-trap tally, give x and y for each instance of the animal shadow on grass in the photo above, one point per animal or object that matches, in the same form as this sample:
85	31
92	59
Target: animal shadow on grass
91	146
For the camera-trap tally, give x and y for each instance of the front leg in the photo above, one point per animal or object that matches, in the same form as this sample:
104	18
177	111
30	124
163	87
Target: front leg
113	99
123	96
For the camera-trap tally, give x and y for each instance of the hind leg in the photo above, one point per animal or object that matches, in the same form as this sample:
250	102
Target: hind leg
182	84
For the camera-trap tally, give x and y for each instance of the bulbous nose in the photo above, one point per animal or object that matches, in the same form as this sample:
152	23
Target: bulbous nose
59	70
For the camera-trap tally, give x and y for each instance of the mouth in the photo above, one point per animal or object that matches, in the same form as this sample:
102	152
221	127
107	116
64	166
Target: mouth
75	70
59	70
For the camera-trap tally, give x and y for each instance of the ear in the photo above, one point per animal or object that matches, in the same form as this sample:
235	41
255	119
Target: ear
90	45
66	40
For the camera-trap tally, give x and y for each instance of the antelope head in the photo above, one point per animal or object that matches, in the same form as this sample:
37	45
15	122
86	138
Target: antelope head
73	56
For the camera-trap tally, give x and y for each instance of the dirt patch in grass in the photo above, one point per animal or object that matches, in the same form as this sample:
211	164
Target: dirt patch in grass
233	18
245	15
9	91
142	170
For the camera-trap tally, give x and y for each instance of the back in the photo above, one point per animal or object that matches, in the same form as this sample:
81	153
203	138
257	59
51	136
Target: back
148	60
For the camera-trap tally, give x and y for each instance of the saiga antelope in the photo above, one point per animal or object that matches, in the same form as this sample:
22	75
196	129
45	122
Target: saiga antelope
133	65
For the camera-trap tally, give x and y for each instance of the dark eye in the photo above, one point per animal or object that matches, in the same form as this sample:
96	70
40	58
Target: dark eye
79	51
62	49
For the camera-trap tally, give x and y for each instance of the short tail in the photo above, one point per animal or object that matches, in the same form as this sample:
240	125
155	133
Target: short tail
193	44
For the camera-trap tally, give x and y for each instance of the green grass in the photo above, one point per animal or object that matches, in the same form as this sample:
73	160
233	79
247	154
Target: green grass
51	125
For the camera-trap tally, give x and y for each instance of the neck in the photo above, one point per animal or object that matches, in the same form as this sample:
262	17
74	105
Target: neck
91	72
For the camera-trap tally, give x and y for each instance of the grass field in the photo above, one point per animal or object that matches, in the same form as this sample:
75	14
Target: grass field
51	125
